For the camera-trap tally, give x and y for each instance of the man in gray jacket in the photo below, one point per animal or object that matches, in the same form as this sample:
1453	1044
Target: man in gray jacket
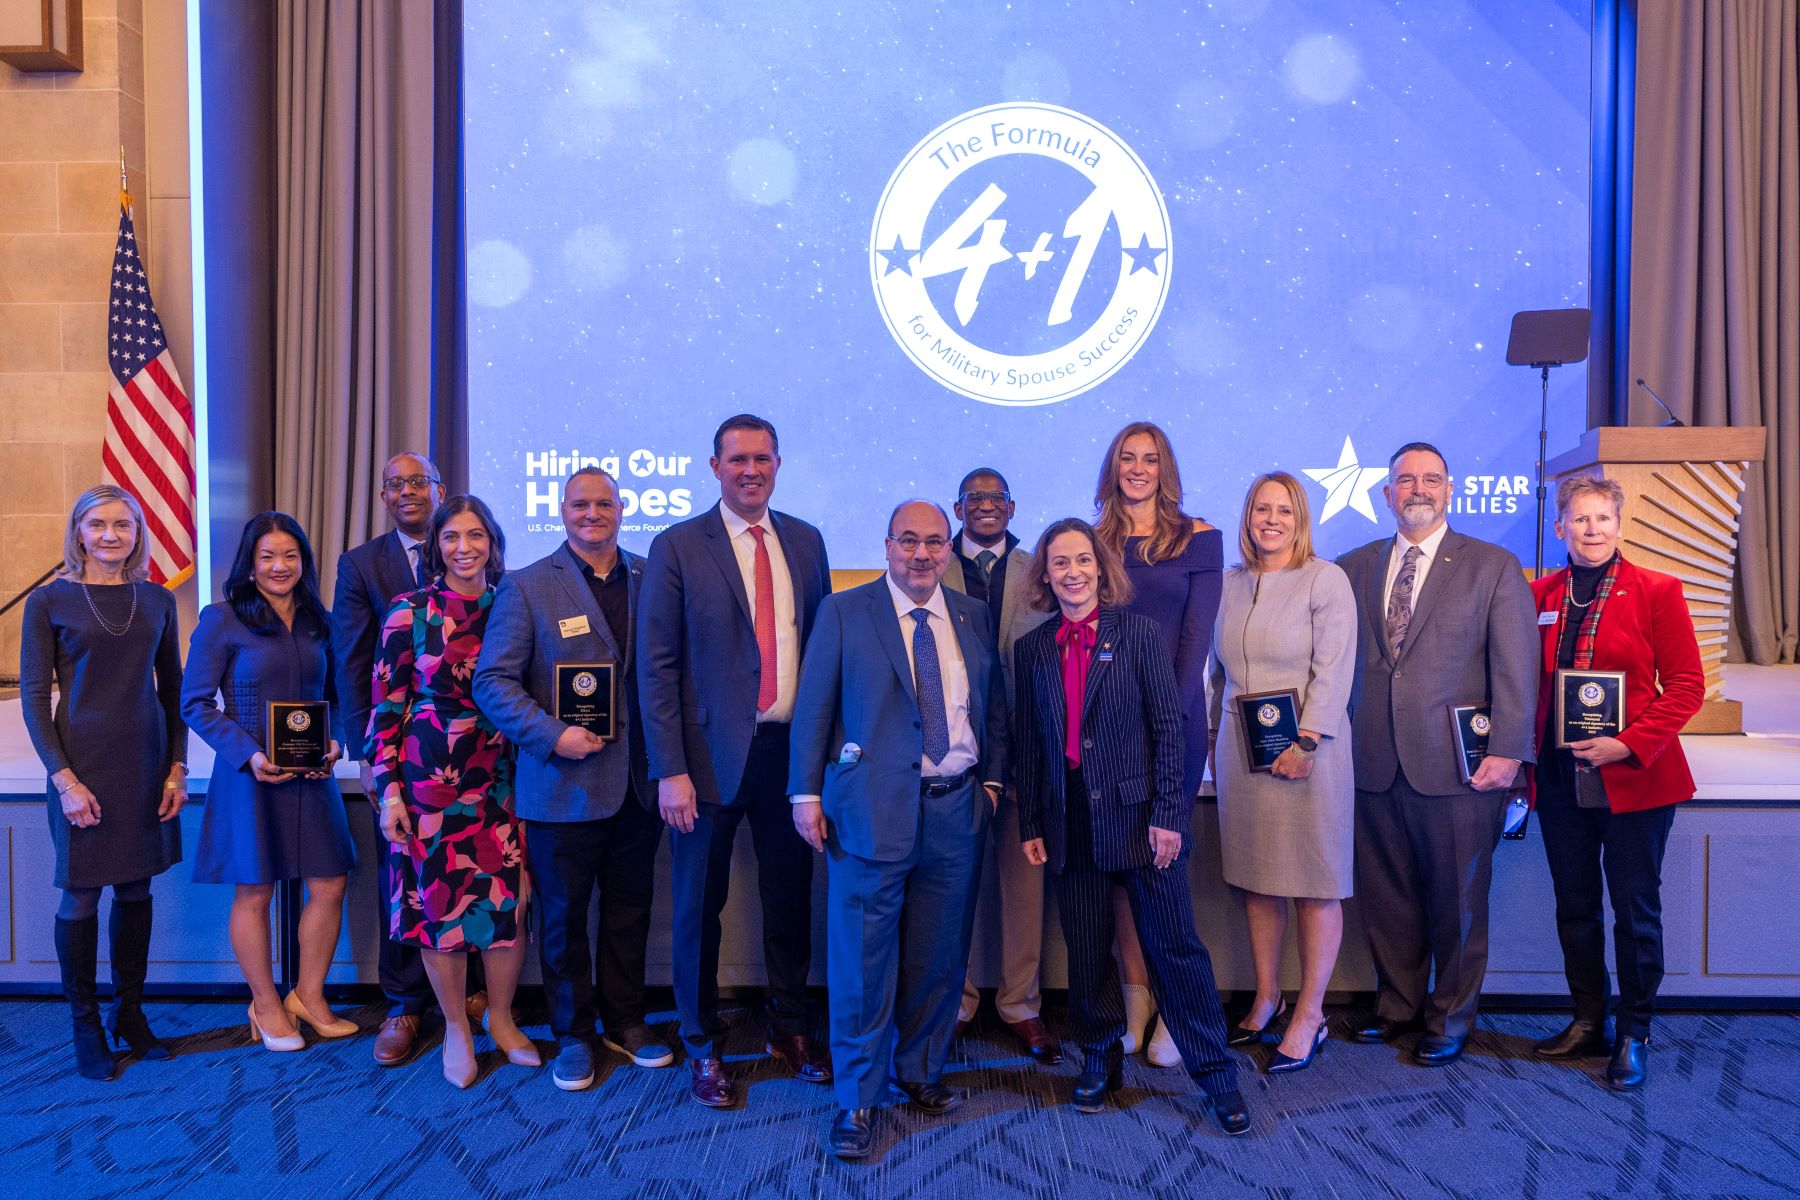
1444	620
590	820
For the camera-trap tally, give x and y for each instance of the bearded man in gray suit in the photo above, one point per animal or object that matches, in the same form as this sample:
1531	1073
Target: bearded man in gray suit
1445	620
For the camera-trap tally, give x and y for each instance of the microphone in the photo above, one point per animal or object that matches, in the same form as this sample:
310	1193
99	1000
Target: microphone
1673	419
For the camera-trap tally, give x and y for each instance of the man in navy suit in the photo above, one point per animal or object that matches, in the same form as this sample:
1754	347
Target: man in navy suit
898	755
585	799
728	601
369	577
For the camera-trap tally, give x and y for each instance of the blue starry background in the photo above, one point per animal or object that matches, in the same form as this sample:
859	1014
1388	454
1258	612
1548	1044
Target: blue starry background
669	211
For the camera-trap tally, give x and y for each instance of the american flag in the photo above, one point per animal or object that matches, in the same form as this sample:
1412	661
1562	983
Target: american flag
149	447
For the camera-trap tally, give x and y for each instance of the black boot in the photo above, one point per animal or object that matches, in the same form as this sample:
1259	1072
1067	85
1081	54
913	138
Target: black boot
130	962
1102	1075
77	948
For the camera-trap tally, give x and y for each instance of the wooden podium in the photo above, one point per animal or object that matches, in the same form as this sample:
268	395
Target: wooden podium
1683	496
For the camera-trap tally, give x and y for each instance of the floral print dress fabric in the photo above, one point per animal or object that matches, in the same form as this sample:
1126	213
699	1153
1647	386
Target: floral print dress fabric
457	884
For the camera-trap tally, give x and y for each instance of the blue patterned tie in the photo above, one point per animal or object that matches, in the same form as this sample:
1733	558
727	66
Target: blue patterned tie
1400	602
930	683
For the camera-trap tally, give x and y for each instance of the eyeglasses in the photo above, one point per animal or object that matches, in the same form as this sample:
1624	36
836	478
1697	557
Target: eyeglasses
1433	481
909	543
976	499
400	483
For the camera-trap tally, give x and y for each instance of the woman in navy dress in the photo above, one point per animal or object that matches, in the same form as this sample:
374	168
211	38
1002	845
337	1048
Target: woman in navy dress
116	754
1176	565
269	640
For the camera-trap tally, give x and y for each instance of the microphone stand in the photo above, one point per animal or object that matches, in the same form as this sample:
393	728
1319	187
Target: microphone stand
1537	566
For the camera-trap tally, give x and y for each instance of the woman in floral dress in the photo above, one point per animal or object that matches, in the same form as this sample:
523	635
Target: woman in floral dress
443	774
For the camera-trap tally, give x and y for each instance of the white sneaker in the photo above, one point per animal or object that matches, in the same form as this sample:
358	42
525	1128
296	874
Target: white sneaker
1162	1052
1138	1010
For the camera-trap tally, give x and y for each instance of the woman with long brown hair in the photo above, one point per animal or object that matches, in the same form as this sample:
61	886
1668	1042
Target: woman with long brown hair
1175	564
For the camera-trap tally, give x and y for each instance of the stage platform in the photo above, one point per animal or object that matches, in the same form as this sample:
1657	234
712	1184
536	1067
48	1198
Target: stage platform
1729	886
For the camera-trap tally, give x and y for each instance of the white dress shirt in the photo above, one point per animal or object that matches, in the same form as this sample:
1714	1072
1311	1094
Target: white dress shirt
963	748
1397	554
787	623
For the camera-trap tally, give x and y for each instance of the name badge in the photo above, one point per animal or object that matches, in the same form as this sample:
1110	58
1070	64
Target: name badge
1547	618
1104	656
574	626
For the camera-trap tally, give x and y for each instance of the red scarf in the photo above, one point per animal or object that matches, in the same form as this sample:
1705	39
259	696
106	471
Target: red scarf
1076	641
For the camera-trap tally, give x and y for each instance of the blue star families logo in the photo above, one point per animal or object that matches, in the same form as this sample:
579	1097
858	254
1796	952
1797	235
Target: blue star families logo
1347	484
1020	254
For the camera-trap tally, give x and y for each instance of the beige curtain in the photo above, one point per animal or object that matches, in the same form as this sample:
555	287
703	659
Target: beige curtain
354	129
1715	265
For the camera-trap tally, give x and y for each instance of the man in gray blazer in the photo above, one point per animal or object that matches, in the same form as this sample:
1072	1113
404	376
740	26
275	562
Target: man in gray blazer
899	749
589	811
988	565
1445	620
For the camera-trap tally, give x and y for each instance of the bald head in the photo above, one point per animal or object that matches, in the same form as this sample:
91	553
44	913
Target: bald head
411	489
918	548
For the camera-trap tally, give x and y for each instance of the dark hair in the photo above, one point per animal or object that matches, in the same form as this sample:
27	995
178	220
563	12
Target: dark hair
1115	586
962	489
744	421
434	553
246	599
1426	447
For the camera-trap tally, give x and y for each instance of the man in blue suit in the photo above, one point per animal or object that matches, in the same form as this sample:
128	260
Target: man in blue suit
369	577
585	801
729	598
898	758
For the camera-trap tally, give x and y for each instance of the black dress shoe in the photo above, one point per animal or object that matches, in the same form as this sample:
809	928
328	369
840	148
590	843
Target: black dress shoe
1579	1039
1103	1074
1438	1050
1373	1030
1243	1035
853	1133
1630	1064
1229	1111
932	1099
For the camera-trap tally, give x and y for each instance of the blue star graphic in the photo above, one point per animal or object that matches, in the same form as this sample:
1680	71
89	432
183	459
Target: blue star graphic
1144	255
897	259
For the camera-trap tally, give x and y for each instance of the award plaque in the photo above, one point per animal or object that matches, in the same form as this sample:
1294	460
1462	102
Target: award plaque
1469	728
299	735
1271	722
1589	704
585	694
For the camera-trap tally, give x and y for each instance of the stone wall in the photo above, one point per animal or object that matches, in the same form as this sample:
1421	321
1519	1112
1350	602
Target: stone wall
60	135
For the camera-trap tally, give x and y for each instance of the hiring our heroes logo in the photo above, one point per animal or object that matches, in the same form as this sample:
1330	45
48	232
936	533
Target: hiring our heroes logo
1020	254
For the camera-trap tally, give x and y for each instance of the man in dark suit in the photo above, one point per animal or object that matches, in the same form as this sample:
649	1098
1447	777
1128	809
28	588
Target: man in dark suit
989	566
1445	620
369	577
728	601
899	754
585	799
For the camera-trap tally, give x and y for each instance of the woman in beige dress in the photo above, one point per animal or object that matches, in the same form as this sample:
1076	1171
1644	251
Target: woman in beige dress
1287	620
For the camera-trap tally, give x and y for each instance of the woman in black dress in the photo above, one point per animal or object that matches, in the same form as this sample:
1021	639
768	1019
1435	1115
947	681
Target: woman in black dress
116	752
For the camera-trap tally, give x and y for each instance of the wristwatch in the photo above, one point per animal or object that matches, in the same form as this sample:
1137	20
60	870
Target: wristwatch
1307	744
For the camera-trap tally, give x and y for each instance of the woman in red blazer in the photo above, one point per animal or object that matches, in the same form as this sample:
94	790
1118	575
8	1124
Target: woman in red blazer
1606	804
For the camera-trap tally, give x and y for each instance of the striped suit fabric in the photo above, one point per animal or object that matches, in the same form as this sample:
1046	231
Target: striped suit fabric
1131	768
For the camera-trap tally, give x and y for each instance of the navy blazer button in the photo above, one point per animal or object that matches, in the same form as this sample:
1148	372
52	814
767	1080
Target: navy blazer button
915	766
1093	795
1087	743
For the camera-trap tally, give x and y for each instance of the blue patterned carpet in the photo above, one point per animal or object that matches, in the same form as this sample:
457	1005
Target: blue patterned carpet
1721	1118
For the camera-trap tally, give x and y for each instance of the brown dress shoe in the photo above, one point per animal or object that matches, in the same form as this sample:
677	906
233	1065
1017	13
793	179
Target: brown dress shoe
801	1056
710	1085
1040	1043
394	1043
478	1006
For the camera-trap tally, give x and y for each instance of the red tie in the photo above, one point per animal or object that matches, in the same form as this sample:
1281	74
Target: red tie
765	622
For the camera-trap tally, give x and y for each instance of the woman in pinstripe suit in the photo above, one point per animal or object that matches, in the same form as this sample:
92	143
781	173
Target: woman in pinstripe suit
1099	759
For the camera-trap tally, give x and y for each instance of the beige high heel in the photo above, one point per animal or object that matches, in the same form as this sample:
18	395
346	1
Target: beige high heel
336	1027
276	1041
459	1077
519	1056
